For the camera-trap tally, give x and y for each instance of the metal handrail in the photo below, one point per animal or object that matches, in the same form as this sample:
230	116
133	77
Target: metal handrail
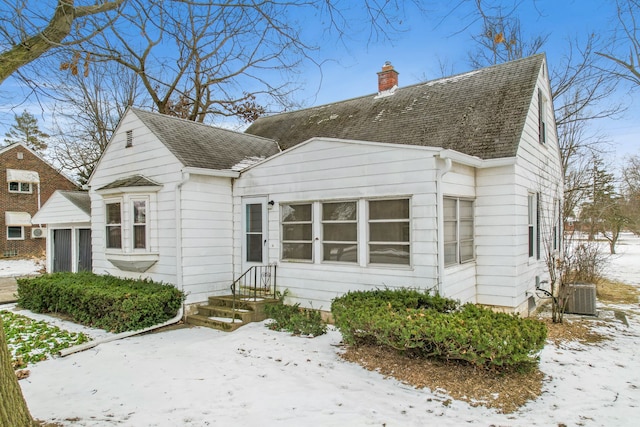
259	281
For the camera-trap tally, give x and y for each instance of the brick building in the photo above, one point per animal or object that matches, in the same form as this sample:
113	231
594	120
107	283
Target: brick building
29	182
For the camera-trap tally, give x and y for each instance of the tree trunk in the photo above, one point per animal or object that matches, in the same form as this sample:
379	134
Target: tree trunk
13	407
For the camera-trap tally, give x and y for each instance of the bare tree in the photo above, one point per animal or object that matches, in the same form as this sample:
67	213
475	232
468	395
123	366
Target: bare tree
198	59
624	50
86	112
631	192
501	38
32	29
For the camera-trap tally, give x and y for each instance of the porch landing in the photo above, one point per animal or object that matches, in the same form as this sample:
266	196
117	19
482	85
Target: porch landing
219	312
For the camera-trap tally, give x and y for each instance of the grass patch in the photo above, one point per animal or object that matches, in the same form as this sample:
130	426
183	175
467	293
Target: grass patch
574	330
616	292
31	341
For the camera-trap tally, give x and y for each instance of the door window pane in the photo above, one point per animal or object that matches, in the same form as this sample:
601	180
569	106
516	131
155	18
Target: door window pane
254	241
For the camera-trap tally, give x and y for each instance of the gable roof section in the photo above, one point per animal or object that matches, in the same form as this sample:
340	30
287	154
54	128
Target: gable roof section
38	156
130	181
80	199
201	146
480	113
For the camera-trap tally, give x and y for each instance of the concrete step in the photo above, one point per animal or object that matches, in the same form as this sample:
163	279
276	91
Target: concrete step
222	324
245	315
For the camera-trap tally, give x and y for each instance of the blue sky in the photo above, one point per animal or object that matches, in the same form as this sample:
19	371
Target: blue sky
432	39
429	40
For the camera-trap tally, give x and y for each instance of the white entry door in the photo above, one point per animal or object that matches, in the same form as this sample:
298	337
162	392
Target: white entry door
254	240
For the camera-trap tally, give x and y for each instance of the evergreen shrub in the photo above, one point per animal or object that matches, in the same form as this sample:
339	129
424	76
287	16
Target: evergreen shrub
426	325
105	302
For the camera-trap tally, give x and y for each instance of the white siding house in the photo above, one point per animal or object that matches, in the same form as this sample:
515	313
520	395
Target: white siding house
161	204
452	185
476	156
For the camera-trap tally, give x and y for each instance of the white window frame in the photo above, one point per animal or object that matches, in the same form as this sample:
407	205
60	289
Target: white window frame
283	224
458	240
20	189
542	118
107	226
128	224
135	224
406	220
21	227
328	222
533	225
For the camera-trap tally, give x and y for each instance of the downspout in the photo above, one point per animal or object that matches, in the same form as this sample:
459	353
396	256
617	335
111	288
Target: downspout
91	344
179	285
441	171
180	282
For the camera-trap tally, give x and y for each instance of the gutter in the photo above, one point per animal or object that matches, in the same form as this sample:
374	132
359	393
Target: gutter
441	171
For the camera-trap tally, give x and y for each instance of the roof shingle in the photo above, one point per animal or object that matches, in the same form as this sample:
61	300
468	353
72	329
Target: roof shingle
480	113
202	146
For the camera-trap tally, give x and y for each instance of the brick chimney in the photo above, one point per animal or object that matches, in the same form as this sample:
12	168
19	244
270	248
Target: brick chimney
387	78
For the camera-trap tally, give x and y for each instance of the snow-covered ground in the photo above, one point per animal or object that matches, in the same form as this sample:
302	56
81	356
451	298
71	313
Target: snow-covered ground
20	267
254	376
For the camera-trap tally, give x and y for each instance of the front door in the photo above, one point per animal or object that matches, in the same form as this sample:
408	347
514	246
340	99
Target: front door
255	242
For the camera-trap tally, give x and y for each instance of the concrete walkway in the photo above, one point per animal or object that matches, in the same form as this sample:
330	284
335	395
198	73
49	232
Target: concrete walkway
8	289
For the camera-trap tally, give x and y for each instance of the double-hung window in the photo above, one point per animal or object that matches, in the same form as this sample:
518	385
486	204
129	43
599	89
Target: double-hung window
114	225
340	231
139	208
533	206
389	232
542	118
297	232
458	231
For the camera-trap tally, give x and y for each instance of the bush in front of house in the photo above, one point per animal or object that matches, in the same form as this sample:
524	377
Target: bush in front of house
425	325
105	302
295	319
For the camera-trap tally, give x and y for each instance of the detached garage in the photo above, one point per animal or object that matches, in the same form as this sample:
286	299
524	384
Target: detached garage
67	215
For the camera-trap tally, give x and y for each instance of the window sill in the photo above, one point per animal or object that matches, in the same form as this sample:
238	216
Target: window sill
136	262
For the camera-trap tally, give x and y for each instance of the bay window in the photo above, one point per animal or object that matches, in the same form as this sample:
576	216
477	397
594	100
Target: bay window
114	224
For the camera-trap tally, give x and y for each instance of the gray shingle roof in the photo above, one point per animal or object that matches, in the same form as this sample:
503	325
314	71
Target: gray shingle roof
202	146
130	181
79	198
480	113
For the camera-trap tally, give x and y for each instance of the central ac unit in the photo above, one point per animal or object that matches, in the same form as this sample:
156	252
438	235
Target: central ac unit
582	299
38	233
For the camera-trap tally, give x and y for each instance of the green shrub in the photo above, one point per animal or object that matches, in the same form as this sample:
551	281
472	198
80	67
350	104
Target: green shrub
295	319
105	302
432	326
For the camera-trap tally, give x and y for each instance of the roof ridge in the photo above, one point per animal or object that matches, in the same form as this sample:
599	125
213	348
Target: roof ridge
403	88
193	123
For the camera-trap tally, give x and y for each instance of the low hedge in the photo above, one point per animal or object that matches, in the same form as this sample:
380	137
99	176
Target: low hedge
431	326
105	302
